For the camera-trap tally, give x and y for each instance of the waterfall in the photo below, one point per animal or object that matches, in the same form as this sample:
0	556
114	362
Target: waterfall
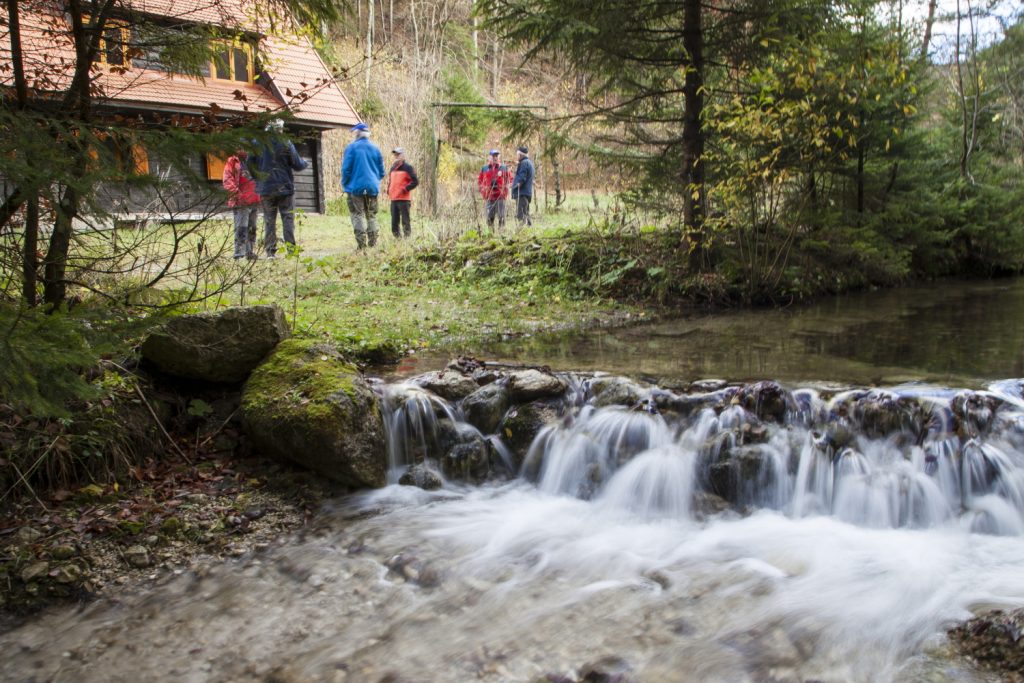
906	457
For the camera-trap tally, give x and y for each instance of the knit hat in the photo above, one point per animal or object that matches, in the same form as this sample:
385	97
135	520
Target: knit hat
523	149
360	126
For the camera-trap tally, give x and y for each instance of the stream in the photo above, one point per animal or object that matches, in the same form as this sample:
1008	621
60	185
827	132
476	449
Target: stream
826	525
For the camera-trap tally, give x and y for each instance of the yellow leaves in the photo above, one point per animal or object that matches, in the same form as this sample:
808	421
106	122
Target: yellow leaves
888	144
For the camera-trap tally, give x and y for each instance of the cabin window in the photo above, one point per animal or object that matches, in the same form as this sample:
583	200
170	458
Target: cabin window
128	158
113	47
232	62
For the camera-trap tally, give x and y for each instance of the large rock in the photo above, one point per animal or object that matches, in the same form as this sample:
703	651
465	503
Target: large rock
307	404
216	347
485	407
527	385
448	384
994	639
608	390
522	424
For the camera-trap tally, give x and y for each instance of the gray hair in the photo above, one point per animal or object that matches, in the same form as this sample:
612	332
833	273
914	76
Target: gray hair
362	133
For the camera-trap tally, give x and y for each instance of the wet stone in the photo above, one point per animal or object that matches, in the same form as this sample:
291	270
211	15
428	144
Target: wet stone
421	476
607	670
528	385
485	407
449	384
610	391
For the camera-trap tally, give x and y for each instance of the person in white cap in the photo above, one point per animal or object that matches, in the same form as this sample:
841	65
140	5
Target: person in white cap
401	180
493	183
362	168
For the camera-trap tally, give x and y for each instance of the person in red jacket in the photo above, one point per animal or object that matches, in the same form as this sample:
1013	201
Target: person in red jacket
494	181
401	180
244	203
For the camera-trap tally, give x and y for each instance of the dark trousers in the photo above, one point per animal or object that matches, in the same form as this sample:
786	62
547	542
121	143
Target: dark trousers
400	214
523	209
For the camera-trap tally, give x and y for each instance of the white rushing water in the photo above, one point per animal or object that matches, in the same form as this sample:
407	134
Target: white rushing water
846	555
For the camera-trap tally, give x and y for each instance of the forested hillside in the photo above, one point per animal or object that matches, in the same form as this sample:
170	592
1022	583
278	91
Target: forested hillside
795	147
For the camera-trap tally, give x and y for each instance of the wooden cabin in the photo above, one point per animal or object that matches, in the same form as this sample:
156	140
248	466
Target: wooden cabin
258	71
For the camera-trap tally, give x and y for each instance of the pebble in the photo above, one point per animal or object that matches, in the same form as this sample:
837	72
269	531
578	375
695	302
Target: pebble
27	534
34	571
138	556
63	552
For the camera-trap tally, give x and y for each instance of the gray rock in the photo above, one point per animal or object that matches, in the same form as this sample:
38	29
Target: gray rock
138	556
448	384
216	347
522	424
307	404
767	400
422	476
485	407
527	385
742	475
34	571
68	573
468	459
614	391
28	535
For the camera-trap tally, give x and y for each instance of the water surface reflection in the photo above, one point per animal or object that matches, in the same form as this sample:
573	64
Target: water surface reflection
952	332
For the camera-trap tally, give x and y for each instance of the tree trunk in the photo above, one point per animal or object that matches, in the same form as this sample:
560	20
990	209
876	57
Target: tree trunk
693	135
476	42
17	58
496	73
369	44
928	23
558	180
56	264
30	247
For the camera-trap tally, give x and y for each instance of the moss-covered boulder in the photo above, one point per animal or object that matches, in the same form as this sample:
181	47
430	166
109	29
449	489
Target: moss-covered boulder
216	347
306	403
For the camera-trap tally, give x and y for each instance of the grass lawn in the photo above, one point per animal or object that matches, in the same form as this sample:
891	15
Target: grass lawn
428	291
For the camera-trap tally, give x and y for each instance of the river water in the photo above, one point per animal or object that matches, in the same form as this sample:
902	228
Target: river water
840	561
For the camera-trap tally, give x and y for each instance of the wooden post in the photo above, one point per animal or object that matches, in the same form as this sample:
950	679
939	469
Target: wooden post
435	144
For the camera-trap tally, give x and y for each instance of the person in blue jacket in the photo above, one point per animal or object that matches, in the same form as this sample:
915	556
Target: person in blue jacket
273	167
362	168
522	186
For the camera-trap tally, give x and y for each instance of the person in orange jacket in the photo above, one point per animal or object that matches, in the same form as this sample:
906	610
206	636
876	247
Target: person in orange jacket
401	180
493	182
244	203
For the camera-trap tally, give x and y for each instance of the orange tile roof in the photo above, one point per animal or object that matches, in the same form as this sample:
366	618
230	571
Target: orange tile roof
300	81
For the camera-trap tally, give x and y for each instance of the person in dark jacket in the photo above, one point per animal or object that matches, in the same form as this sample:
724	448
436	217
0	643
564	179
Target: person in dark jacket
401	180
493	183
362	169
522	186
274	169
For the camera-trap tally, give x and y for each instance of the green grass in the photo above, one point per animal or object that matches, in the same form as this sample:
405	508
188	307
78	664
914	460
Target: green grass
448	286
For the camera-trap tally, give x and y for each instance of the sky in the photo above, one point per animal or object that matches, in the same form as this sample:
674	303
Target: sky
944	32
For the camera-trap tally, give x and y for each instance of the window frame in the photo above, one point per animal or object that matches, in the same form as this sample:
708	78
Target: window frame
124	29
230	46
